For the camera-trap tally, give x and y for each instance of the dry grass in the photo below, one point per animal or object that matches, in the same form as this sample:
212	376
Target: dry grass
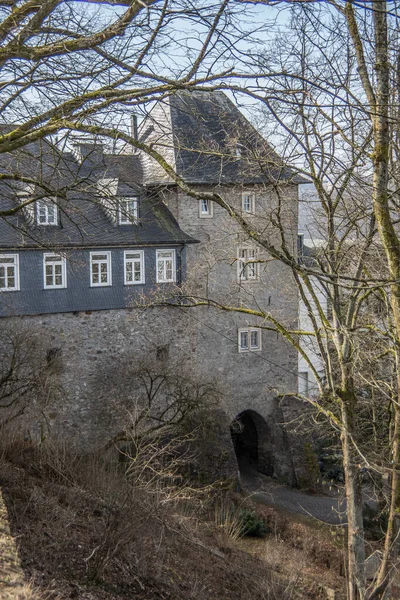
87	531
30	591
11	573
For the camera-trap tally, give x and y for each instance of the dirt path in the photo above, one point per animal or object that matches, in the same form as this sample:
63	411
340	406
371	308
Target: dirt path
11	574
328	507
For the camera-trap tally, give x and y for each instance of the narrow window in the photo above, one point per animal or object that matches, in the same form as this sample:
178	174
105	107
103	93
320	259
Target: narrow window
100	269
249	339
134	267
54	270
244	340
303	383
205	208
248	267
300	247
127	211
9	272
46	212
248	202
254	339
165	266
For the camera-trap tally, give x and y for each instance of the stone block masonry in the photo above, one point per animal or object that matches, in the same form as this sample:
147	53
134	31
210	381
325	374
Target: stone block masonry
95	352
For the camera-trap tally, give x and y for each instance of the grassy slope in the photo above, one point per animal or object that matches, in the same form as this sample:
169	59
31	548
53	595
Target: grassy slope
83	533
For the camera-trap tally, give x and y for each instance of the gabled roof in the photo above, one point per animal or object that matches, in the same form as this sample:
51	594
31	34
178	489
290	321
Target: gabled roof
83	221
215	144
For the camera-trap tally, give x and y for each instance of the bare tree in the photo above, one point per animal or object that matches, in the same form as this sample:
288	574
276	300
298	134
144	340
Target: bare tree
155	399
26	372
337	104
337	114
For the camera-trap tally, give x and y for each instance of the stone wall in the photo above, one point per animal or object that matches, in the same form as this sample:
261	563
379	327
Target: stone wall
95	351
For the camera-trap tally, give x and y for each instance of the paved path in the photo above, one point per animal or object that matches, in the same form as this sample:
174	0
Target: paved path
329	507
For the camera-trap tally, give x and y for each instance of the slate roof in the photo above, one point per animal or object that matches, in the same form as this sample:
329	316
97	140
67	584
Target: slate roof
208	132
83	221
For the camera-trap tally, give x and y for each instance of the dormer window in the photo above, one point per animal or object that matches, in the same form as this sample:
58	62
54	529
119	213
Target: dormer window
46	212
127	211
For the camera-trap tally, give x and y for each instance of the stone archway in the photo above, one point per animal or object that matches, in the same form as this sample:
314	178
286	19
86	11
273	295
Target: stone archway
252	442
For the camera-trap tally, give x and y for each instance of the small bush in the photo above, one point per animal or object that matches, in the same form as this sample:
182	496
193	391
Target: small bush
310	479
251	524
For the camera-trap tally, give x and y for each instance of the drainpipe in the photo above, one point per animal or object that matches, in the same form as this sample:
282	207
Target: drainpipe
179	266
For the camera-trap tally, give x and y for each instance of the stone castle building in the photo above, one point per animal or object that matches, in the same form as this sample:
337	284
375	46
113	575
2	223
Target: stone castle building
92	265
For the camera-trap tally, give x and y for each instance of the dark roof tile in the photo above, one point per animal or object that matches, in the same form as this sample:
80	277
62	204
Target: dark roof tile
215	143
83	221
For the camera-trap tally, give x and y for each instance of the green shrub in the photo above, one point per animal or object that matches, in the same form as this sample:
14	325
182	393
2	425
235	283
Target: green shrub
251	524
310	479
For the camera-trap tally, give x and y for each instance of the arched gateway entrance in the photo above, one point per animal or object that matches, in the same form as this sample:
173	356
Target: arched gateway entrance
252	442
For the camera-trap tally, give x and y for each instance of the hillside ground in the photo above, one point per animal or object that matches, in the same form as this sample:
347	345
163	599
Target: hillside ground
84	530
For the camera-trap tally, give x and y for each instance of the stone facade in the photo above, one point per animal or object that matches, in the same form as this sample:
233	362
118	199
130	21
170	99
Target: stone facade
95	350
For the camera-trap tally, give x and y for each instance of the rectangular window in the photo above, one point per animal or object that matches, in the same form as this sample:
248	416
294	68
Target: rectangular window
127	211
205	208
248	202
100	269
134	267
247	265
303	383
46	212
300	247
54	270
9	272
249	339
165	266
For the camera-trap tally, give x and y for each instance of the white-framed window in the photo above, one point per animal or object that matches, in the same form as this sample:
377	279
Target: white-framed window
133	267
54	271
248	202
166	269
100	269
249	339
248	269
206	208
303	383
127	211
46	212
9	272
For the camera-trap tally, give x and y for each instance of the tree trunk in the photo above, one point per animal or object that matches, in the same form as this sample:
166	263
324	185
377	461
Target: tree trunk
355	534
390	242
391	547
